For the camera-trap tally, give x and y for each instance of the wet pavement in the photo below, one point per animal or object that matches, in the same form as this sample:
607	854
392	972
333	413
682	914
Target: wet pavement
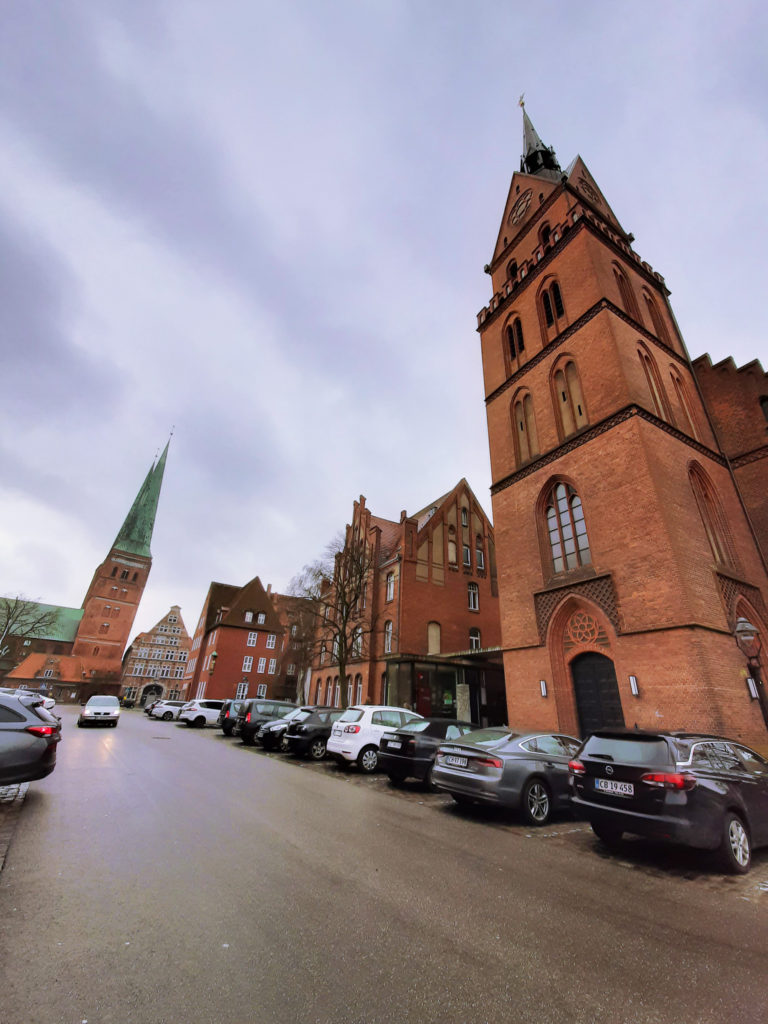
165	874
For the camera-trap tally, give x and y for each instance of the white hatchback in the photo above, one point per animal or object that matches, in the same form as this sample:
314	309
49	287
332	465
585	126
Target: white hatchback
357	734
200	712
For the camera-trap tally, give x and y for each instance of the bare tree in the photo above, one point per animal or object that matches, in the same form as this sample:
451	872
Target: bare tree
21	618
337	585
301	616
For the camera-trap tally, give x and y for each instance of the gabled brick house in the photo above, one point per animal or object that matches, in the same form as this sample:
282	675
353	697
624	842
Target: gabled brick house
429	615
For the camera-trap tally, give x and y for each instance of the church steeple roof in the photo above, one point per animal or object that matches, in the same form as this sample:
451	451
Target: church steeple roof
136	532
537	158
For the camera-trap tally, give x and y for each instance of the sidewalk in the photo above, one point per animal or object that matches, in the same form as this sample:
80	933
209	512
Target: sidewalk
11	799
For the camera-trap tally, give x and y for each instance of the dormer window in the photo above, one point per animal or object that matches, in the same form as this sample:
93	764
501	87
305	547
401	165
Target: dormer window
249	616
261	618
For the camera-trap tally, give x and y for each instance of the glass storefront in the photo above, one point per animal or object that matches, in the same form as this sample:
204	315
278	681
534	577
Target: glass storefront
448	690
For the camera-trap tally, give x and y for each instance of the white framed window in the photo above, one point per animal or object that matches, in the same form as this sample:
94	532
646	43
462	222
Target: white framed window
249	616
247	663
138	668
390	586
172	618
291	670
48	673
178	672
294	629
473	597
261	618
465	555
272	666
359	693
151	672
465	517
271	642
165	671
157	655
170	656
479	557
253	636
262	665
144	652
261	690
200	690
337	695
474	640
242	691
388	637
183	655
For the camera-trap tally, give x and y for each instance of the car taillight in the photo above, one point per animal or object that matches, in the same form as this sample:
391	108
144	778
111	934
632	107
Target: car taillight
488	762
248	717
226	715
576	768
668	780
42	730
351	728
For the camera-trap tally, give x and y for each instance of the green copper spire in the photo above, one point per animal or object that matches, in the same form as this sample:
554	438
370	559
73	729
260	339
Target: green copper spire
136	532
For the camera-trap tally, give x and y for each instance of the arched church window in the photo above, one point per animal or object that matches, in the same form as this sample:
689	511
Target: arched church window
659	327
712	517
524	428
569	401
566	529
655	387
628	300
515	339
684	402
552	304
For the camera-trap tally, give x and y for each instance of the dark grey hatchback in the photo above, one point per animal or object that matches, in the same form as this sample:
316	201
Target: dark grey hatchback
702	791
28	738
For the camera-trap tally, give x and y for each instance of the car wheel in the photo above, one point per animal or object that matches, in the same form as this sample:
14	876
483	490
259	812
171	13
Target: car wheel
317	749
227	732
735	853
200	722
536	802
167	716
610	835
368	759
284	745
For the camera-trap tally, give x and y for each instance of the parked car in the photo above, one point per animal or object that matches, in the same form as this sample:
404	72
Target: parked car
527	771
29	736
201	712
48	702
101	709
409	753
253	713
167	709
148	708
357	733
271	735
228	716
307	734
703	791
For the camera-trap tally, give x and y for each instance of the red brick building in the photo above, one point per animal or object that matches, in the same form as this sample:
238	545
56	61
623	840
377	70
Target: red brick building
82	651
629	485
245	645
429	617
155	664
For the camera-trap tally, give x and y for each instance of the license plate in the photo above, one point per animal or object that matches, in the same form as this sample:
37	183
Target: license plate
459	762
393	745
618	788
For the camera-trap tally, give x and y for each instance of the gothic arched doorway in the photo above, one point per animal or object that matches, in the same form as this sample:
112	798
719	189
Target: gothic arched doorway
151	692
598	703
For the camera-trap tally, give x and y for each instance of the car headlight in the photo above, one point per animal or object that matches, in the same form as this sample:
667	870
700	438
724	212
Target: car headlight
87	713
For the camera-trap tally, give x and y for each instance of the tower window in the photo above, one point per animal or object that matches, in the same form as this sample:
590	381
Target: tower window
524	428
114	571
655	387
567	530
124	574
512	271
568	398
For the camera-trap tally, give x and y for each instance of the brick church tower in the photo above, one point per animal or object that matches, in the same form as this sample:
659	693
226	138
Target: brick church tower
112	600
626	548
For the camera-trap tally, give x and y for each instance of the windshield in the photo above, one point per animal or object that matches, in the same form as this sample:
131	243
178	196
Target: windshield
351	715
418	726
100	702
302	716
634	750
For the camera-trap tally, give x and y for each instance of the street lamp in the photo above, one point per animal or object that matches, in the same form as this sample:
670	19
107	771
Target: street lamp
750	644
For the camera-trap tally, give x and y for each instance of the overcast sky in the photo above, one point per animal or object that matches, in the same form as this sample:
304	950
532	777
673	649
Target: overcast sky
265	225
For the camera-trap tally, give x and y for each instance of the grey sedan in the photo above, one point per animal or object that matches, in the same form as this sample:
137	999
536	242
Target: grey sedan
525	770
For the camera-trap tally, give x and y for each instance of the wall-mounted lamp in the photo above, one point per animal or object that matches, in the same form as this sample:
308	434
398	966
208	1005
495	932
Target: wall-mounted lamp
543	685
754	695
634	689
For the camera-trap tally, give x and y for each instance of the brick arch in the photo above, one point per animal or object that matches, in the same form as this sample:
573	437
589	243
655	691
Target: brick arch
577	626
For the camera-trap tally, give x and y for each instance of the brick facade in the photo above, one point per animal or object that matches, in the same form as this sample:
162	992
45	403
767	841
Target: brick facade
155	664
624	547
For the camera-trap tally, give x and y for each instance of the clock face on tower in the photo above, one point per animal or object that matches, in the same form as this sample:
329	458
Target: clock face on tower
520	208
589	190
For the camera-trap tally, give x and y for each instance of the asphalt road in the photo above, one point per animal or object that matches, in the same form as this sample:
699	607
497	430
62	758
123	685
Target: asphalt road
165	875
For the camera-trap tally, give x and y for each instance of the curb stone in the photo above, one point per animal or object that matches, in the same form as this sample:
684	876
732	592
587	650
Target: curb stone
11	800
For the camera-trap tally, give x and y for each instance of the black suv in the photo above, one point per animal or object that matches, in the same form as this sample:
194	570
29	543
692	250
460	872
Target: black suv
228	716
252	714
702	791
307	734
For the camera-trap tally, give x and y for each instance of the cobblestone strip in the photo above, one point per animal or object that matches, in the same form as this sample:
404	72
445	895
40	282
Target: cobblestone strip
11	800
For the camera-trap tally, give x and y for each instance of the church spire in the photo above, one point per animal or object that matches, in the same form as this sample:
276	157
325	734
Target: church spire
136	532
537	158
